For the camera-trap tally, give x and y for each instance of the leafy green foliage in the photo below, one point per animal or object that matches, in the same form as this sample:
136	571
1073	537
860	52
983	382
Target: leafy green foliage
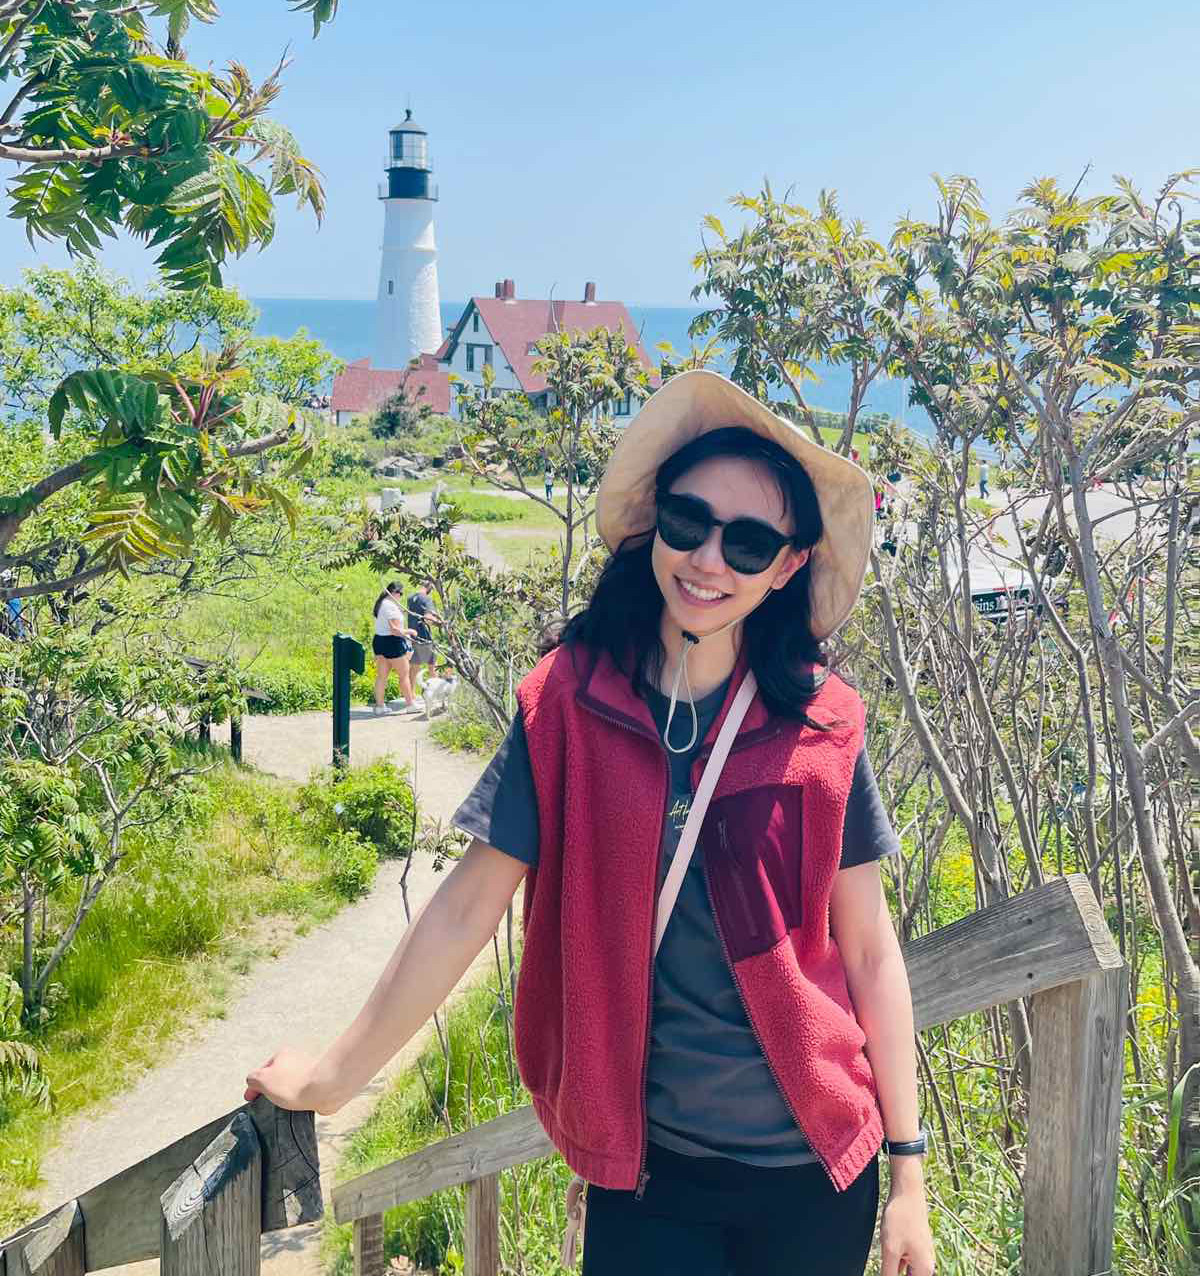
375	803
59	321
353	863
86	750
111	132
793	289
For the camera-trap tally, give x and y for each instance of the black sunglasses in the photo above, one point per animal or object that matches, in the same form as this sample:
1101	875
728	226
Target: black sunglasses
748	545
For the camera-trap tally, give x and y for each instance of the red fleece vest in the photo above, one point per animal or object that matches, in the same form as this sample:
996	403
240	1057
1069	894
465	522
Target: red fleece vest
771	845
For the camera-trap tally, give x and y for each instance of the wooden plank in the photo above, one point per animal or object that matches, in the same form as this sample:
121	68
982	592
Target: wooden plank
121	1214
509	1140
291	1166
368	1246
481	1245
53	1250
1070	1178
211	1215
1039	939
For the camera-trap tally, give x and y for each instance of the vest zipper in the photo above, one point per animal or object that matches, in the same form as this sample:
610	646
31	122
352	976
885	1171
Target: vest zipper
643	1176
746	1011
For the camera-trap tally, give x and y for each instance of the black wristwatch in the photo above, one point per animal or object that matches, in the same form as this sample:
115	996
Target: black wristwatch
913	1147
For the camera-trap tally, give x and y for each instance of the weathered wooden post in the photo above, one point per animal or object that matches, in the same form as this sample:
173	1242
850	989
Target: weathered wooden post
368	1246
235	738
53	1250
481	1256
1070	1183
212	1213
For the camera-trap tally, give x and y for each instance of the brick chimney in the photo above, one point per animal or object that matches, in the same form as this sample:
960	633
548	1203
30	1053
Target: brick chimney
589	294
510	290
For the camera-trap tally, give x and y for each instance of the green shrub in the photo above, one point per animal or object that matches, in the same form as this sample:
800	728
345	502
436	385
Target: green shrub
467	725
352	864
375	802
290	690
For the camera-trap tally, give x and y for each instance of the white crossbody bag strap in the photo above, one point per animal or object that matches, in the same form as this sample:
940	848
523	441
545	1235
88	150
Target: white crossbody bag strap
691	828
576	1194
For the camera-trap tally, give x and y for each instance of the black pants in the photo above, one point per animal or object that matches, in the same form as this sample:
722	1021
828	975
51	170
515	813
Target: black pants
708	1216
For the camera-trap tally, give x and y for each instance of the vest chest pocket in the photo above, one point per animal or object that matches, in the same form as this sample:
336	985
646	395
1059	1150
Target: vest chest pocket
752	852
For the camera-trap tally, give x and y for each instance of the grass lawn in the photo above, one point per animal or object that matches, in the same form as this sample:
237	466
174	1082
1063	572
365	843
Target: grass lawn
161	948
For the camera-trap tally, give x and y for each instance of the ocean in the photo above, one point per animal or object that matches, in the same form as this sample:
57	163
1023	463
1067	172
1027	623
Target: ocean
347	328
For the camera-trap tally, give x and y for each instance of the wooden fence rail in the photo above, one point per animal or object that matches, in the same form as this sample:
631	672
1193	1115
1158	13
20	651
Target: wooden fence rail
1050	945
202	1204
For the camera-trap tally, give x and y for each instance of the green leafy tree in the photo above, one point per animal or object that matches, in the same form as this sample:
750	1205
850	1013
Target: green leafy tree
88	737
792	290
1079	318
59	321
404	414
506	444
110	128
1057	737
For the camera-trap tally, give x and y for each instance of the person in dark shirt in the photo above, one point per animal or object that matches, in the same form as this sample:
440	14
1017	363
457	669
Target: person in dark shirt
421	611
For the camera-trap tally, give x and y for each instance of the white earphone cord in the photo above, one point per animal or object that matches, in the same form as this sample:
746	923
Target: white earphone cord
689	641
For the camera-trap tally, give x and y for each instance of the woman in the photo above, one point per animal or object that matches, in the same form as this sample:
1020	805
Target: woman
393	647
727	1098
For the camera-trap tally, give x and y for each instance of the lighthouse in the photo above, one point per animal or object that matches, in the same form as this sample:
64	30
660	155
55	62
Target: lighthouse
408	318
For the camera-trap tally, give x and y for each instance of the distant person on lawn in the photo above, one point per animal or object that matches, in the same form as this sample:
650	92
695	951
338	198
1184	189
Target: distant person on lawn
421	611
983	480
548	479
392	648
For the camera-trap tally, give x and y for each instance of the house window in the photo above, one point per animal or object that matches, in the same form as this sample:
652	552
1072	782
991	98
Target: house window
622	406
478	357
475	322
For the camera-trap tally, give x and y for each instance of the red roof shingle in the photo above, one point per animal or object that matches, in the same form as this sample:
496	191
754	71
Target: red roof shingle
515	325
361	388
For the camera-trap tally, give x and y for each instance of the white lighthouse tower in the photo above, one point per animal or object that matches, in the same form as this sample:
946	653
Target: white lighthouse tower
408	318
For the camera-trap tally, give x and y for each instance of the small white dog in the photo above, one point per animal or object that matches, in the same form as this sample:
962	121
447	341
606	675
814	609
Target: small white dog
436	692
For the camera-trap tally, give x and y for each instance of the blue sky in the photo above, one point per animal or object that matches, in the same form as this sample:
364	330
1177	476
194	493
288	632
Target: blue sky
577	141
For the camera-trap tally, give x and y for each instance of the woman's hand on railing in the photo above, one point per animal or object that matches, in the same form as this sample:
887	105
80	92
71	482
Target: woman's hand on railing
289	1080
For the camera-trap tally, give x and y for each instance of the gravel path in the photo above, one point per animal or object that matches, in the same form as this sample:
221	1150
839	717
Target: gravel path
304	997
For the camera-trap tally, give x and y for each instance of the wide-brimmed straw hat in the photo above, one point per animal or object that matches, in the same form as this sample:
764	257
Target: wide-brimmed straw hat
693	403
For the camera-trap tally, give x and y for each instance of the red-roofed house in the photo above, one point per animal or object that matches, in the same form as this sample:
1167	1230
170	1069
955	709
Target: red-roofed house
502	331
360	390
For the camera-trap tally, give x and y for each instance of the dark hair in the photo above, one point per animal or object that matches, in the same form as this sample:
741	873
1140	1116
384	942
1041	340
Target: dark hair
623	615
392	587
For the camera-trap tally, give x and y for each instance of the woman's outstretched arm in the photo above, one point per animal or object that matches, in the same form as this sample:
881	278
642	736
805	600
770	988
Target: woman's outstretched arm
445	936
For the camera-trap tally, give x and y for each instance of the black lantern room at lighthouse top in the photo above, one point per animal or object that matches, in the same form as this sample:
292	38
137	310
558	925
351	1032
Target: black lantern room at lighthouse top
408	165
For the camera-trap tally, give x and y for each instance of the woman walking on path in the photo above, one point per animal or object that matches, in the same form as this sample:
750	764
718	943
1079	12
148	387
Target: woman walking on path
713	1016
392	646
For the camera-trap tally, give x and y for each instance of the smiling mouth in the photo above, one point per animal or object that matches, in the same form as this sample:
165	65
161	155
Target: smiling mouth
697	594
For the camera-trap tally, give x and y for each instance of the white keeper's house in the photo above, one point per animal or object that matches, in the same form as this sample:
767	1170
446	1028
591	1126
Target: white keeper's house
502	332
499	331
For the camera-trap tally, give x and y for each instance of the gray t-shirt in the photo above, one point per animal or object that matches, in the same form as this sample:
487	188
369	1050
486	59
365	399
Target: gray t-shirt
709	1091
